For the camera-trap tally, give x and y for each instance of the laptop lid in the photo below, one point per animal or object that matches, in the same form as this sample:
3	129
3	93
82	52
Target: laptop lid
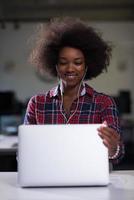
61	155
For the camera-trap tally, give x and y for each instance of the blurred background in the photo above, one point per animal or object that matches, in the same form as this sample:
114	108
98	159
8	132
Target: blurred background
19	80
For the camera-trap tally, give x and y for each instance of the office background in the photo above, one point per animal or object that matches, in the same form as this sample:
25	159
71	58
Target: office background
19	80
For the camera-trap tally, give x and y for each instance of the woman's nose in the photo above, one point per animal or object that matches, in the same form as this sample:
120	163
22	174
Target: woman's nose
70	67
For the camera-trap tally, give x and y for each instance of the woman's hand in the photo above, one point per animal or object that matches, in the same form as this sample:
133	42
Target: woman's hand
110	137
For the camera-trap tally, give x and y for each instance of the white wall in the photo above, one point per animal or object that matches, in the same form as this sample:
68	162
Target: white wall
18	75
14	47
121	70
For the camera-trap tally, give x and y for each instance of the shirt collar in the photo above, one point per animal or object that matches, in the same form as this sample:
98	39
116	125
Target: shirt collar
58	90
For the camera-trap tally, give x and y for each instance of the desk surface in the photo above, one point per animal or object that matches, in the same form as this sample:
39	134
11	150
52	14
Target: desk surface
121	187
8	142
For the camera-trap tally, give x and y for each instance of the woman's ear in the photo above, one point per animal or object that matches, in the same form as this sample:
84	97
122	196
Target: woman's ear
57	71
85	71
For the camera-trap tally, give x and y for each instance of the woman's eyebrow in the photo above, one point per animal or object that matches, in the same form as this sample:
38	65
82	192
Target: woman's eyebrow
77	58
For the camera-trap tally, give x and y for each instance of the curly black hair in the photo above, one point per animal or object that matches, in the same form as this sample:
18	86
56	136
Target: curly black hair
70	32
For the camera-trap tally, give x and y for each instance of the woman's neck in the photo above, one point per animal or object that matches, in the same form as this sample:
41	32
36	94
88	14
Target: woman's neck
71	91
70	94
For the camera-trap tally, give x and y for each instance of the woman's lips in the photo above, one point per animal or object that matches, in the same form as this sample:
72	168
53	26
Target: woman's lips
70	75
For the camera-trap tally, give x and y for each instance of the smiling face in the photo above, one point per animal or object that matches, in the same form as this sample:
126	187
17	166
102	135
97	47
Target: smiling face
71	66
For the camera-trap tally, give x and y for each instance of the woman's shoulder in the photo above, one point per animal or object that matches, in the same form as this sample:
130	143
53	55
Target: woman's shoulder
41	97
104	98
101	97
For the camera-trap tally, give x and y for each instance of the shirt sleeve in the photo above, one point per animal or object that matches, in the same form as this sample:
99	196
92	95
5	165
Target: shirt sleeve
30	117
110	114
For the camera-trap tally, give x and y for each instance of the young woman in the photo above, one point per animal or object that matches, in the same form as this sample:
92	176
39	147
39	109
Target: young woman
73	51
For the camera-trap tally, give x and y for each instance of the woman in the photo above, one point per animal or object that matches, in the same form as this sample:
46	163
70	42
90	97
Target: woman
72	51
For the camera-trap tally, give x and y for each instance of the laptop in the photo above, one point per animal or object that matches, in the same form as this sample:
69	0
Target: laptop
61	155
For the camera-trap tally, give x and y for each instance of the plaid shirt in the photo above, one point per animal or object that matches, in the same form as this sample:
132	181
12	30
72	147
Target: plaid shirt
93	108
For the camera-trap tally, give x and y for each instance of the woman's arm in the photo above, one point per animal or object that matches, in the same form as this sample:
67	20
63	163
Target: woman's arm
30	116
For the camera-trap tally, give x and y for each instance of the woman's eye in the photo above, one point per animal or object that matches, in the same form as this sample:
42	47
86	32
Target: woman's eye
78	63
62	62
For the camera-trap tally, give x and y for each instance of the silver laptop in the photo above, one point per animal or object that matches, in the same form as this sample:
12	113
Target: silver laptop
62	155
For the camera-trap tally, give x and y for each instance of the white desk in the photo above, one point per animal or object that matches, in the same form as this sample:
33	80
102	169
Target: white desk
121	187
8	142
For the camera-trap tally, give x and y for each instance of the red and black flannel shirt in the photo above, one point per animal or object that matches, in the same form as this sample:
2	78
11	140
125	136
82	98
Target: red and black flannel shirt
94	107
